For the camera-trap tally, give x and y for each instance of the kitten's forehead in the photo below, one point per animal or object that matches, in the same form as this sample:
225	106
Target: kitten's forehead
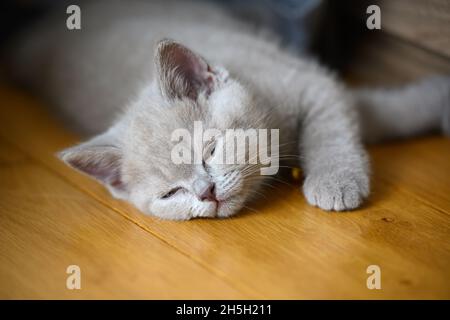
167	174
154	167
148	142
149	139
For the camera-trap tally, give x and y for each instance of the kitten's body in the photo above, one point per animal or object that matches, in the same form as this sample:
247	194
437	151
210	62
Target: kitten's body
105	74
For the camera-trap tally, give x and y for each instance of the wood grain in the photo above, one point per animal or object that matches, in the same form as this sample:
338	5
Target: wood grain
47	225
383	60
425	24
283	248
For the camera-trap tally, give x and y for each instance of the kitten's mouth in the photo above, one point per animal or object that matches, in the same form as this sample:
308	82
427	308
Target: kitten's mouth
219	206
222	208
220	202
217	203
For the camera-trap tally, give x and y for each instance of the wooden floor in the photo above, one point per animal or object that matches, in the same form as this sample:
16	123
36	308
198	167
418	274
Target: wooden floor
52	217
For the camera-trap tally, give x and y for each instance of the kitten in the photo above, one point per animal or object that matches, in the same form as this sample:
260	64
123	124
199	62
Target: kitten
119	79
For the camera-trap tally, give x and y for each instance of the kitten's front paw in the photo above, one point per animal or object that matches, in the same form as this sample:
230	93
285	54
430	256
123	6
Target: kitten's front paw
337	191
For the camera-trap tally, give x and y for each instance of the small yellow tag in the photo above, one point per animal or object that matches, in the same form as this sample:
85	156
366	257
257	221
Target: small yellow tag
296	173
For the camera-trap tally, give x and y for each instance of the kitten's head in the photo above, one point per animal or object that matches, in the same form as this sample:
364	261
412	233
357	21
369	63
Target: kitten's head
134	159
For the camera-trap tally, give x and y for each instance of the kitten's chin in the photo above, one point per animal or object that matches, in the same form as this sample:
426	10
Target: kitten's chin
229	207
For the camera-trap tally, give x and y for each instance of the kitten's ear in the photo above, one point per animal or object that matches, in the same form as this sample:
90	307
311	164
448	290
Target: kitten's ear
99	158
182	72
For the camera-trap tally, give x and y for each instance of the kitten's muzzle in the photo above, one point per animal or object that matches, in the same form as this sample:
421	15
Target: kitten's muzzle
209	194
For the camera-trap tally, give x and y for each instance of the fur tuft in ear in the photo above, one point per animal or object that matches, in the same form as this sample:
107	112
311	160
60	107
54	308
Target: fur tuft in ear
182	73
99	160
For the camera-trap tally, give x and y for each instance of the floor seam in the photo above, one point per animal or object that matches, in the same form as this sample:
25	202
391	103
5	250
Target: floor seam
418	198
244	289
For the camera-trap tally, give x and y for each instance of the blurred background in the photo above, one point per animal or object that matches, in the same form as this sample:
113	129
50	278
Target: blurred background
414	39
318	27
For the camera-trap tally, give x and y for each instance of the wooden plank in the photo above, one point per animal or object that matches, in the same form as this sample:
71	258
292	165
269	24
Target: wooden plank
383	60
422	23
422	169
287	249
47	225
426	23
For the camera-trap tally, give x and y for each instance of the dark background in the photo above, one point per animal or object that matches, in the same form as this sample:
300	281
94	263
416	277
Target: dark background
322	28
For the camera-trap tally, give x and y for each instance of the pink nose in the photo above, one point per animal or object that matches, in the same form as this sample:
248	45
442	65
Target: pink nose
209	194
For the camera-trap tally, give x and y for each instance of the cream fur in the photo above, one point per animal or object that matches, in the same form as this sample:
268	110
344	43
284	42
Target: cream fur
106	78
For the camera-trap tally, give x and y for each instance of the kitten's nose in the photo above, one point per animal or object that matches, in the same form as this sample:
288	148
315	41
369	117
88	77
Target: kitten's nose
209	193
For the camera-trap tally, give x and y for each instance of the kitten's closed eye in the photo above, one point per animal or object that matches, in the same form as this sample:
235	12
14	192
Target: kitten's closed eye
171	193
185	87
209	153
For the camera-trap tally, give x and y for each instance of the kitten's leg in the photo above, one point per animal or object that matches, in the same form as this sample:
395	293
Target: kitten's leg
334	160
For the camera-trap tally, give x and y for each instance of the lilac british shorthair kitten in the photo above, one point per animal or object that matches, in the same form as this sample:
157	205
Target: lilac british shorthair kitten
121	80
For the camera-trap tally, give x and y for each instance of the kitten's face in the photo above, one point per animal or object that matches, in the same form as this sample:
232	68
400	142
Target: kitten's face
135	158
